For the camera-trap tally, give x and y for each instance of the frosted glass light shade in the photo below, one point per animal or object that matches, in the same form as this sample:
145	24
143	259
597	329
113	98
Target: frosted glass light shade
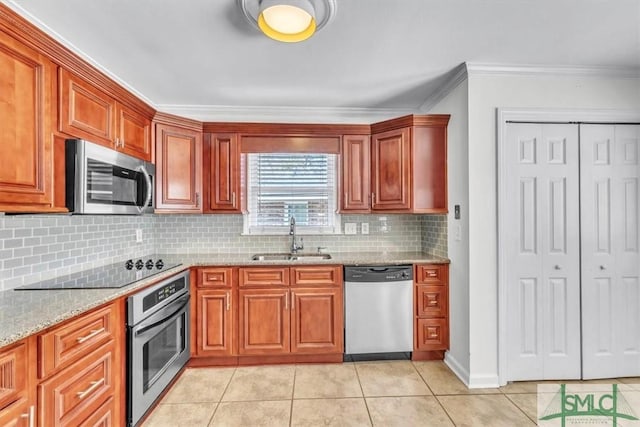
287	20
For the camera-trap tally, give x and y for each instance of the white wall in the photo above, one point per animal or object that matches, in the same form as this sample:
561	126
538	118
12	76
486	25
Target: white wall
486	94
456	104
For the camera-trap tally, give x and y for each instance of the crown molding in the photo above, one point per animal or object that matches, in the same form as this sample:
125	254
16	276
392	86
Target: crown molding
458	75
223	113
70	56
480	68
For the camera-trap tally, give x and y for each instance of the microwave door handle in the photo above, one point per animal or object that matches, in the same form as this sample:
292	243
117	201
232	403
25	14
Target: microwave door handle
147	178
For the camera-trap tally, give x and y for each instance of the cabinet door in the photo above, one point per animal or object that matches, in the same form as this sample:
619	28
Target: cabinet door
317	320
85	111
390	169
214	323
264	321
27	90
134	133
355	179
223	181
178	169
105	416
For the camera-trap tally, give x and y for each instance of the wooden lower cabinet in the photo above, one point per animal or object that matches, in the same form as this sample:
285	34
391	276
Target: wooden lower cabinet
431	309
214	322
104	416
73	395
264	324
317	321
17	376
18	414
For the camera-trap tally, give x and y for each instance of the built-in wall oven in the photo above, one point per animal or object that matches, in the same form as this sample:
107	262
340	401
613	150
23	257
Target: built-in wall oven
158	341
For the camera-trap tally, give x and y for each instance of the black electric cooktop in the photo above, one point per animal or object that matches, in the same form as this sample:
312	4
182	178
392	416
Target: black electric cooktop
108	276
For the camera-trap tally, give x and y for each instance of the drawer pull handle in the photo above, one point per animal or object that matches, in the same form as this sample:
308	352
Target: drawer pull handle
228	301
432	273
91	334
94	385
433	335
30	415
433	302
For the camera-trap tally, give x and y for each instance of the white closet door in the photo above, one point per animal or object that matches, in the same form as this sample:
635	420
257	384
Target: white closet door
610	256
543	247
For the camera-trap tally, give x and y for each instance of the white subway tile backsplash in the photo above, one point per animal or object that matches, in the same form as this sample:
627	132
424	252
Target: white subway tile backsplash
37	247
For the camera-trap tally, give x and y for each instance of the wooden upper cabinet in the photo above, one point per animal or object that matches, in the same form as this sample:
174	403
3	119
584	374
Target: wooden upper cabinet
178	169
355	177
87	112
409	164
222	173
27	93
134	133
391	170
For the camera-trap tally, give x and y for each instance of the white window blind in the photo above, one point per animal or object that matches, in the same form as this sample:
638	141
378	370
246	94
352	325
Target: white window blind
281	185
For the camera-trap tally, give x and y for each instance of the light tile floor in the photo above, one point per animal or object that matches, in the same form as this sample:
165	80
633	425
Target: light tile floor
386	393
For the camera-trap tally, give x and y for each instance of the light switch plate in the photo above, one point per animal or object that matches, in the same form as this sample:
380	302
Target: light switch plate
364	228
138	235
350	228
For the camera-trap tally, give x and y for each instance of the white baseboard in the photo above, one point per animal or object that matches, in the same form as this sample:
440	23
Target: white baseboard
456	368
484	381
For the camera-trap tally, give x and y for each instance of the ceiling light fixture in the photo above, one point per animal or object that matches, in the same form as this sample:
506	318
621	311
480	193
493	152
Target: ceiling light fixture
288	20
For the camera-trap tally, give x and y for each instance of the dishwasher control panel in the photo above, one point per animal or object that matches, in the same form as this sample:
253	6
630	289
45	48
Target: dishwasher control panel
395	273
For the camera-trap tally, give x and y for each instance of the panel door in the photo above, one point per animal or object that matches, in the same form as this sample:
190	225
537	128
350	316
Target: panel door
610	258
178	169
86	112
224	173
317	320
390	163
542	238
264	321
214	323
356	170
27	90
134	133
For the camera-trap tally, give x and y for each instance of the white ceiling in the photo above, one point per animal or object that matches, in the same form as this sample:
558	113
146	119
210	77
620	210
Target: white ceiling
376	54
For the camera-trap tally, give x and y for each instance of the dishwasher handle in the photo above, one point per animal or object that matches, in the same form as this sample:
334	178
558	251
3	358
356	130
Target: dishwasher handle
378	273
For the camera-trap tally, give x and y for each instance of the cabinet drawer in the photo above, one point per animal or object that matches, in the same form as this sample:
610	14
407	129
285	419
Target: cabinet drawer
71	396
270	276
433	334
215	277
63	345
18	414
432	274
105	416
432	301
13	374
320	275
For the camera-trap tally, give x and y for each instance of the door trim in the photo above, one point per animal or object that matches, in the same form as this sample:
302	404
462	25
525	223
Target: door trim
534	115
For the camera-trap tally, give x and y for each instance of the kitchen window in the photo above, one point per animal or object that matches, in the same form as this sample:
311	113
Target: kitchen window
281	185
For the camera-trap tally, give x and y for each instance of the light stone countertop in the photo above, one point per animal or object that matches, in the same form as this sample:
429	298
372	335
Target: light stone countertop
23	313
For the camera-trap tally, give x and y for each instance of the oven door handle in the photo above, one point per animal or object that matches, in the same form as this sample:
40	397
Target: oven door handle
161	316
147	179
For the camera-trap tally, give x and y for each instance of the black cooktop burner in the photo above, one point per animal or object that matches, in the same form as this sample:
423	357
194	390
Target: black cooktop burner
108	276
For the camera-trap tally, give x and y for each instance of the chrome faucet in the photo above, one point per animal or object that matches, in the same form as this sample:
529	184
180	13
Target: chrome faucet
295	247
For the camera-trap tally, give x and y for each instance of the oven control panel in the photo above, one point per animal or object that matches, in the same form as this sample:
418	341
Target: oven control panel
162	293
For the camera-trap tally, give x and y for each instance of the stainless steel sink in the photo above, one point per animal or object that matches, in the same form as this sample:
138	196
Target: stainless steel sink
290	257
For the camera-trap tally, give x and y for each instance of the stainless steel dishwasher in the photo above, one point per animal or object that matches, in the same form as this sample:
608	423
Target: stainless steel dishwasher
378	309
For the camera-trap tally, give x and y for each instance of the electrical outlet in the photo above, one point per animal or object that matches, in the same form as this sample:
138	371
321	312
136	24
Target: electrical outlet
364	228
350	228
458	232
138	235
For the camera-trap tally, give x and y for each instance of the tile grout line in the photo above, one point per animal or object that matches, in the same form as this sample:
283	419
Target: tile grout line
434	394
364	398
521	410
293	394
444	409
423	378
222	395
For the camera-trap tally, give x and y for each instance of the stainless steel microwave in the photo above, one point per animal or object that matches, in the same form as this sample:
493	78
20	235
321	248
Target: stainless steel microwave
100	180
